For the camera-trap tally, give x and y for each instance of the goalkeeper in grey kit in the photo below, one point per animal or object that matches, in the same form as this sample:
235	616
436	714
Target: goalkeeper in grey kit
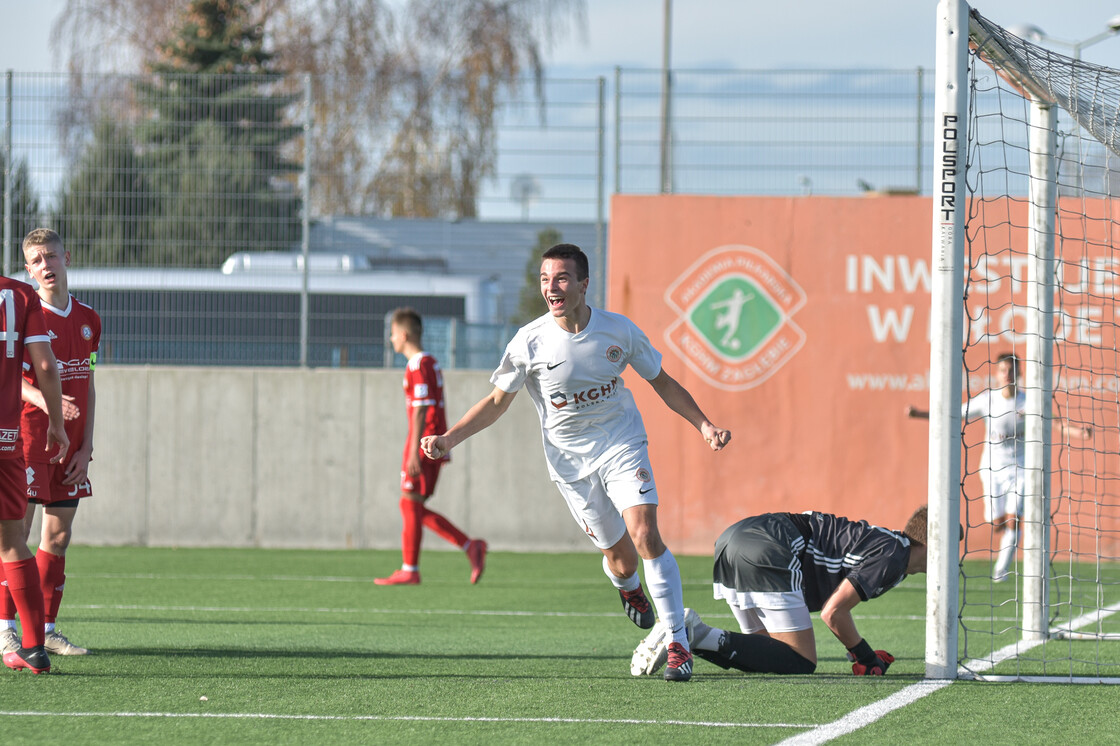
774	569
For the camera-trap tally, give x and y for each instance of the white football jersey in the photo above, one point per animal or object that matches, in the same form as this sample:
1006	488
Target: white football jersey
575	382
1004	422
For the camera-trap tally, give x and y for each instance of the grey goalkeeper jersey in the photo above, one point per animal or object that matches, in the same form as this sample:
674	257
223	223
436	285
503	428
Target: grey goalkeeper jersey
828	548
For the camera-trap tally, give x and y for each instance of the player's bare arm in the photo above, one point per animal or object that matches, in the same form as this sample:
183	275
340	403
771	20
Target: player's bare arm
481	416
837	613
34	397
677	398
45	366
77	468
412	464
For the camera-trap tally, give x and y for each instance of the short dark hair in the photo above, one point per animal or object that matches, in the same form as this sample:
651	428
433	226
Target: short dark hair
409	318
573	252
1013	359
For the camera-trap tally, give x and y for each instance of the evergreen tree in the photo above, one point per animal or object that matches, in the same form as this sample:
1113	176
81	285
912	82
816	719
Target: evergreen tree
213	145
103	207
25	207
531	303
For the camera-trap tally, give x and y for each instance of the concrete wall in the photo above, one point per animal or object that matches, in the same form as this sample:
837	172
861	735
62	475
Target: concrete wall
302	458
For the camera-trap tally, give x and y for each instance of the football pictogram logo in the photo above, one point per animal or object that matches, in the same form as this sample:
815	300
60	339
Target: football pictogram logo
735	309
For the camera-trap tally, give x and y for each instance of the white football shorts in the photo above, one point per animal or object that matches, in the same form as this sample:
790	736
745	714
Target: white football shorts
791	616
598	500
1003	491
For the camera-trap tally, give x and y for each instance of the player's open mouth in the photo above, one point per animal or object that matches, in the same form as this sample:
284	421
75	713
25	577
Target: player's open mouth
555	301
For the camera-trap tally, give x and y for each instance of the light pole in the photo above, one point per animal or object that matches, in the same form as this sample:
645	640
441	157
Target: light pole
1034	33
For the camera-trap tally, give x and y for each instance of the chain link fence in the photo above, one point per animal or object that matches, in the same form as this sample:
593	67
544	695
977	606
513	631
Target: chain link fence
243	220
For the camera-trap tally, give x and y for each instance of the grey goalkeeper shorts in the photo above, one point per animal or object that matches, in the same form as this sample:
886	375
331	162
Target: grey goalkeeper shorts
760	554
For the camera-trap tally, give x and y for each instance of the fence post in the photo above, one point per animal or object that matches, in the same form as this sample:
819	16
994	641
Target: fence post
666	104
920	146
8	172
600	195
305	227
617	130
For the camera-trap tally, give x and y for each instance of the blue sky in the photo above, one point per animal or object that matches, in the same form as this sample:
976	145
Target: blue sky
740	34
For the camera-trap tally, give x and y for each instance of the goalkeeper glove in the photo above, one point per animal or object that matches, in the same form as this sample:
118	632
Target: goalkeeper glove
869	662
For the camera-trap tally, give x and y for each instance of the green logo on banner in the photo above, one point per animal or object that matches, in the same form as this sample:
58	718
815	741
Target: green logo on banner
735	317
734	324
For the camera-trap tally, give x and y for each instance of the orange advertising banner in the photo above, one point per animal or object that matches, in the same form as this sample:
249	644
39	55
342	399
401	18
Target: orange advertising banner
802	325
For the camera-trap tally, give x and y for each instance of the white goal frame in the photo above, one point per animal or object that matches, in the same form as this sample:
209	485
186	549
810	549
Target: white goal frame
955	27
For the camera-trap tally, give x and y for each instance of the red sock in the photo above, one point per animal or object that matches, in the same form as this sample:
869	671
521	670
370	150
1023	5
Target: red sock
412	511
23	583
444	528
7	605
52	575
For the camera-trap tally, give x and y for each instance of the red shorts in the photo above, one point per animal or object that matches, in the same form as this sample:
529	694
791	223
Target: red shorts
44	484
423	484
13	489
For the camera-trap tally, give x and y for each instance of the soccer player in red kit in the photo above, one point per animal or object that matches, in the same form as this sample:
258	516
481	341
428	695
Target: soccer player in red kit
24	329
75	332
423	396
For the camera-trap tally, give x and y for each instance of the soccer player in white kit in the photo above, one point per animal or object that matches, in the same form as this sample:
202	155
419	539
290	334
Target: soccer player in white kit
1002	470
571	362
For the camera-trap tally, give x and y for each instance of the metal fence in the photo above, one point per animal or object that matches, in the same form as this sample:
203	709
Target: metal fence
182	172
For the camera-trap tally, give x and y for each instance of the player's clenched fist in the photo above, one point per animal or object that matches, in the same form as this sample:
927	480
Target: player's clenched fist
434	446
715	437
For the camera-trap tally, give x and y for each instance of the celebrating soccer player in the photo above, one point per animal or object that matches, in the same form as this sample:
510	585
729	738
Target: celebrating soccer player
423	398
571	361
1003	471
75	332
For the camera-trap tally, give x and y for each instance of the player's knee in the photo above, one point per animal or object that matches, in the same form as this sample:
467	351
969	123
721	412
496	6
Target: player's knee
799	664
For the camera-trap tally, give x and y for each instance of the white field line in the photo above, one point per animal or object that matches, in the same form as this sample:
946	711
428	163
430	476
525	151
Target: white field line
398	718
868	714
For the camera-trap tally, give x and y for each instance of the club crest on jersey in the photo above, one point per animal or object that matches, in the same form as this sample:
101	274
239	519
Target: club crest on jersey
614	353
735	309
87	333
643	474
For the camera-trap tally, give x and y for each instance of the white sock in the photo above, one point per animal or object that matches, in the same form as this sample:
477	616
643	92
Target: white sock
663	581
622	584
1006	552
9	623
48	627
705	637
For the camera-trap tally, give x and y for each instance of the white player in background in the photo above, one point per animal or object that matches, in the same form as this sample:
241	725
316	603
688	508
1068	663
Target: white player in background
1002	469
571	361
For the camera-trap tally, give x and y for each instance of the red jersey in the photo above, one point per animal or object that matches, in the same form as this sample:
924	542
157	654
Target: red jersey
75	335
21	322
423	387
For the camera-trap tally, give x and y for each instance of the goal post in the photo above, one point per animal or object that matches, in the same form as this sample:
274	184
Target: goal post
1026	263
946	338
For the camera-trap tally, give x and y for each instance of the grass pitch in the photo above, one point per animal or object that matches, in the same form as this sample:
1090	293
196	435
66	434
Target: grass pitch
277	647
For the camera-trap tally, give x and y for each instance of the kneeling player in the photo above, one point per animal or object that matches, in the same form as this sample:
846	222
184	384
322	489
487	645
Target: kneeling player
774	569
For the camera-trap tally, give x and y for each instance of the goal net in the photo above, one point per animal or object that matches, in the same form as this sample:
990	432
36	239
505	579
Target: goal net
1025	363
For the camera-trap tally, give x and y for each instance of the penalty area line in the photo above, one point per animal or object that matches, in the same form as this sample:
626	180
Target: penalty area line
400	718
